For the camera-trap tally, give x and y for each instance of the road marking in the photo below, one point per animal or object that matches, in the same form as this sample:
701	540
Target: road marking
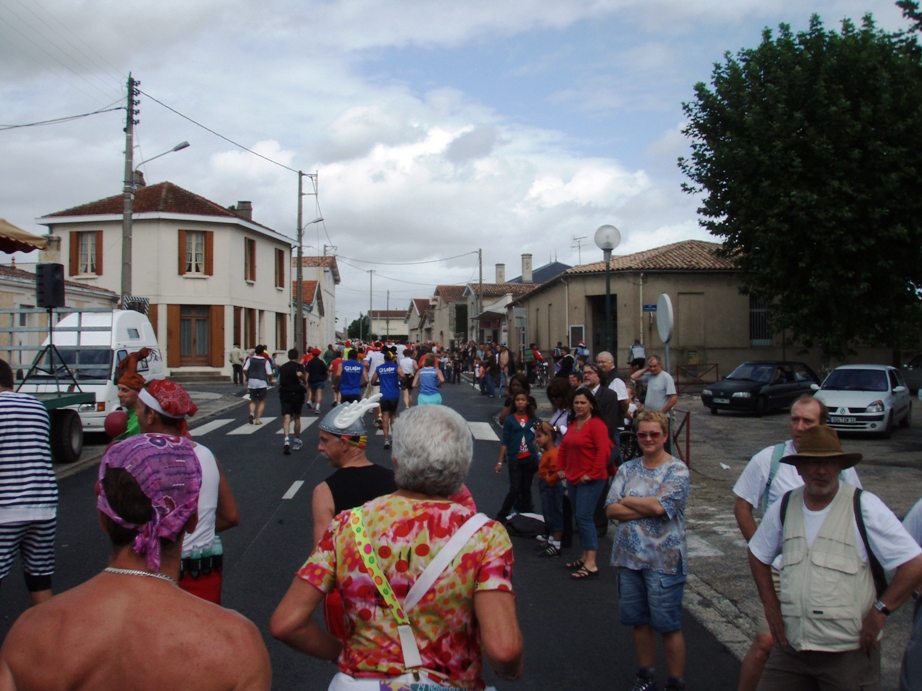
699	547
305	423
483	431
293	490
249	429
210	426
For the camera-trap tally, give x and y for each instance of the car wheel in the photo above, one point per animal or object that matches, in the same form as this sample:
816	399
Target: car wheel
761	406
713	411
907	421
66	436
888	430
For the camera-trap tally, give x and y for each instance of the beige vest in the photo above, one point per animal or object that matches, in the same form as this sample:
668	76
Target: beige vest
826	589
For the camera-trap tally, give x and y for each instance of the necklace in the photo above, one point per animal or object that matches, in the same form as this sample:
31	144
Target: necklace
135	572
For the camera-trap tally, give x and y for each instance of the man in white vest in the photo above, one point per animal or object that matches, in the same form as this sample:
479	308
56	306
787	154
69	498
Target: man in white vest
828	620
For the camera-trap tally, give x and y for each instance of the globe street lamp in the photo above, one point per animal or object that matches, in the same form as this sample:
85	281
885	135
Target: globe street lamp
607	238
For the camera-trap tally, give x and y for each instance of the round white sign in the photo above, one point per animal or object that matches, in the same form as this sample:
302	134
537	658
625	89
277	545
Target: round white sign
664	318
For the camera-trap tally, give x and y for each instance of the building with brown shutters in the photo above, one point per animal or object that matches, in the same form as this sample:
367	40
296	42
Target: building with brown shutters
213	276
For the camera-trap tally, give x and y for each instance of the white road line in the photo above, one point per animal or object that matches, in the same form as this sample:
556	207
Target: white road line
293	490
210	427
699	547
483	431
305	423
249	429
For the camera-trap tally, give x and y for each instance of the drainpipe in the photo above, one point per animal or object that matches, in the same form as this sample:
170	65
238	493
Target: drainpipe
641	308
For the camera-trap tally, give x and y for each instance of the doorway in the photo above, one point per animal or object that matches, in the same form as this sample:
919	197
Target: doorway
194	329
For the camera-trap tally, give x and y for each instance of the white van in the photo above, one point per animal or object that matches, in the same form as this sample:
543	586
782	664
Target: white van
92	344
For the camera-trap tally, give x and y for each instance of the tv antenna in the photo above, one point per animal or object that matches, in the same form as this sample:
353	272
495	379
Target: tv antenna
578	244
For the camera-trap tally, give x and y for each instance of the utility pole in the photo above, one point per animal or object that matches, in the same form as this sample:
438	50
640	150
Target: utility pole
371	275
128	209
480	293
387	315
299	270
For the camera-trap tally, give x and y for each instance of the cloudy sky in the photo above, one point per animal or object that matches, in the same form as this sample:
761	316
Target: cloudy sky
435	128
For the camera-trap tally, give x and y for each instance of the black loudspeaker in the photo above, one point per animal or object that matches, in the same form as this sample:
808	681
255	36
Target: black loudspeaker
49	285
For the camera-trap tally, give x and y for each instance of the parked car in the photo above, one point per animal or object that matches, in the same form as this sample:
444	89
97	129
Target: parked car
760	386
866	398
912	373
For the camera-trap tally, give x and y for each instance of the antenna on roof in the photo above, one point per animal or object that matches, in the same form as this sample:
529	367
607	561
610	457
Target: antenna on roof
577	243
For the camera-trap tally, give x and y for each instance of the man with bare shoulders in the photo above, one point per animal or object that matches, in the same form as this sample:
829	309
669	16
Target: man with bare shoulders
131	626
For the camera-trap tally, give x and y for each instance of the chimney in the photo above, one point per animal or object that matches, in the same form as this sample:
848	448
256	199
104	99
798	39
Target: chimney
52	252
245	210
526	269
500	273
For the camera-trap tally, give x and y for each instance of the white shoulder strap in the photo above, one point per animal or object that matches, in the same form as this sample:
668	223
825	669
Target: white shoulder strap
443	560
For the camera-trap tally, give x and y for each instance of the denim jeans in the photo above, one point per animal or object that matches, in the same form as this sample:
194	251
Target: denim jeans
521	473
490	384
552	505
584	497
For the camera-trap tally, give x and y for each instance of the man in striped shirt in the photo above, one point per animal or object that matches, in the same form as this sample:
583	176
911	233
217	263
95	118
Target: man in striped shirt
28	489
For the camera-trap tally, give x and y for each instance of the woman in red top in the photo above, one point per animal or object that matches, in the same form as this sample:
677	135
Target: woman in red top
583	458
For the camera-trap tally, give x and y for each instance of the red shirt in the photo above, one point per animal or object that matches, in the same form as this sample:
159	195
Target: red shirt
585	451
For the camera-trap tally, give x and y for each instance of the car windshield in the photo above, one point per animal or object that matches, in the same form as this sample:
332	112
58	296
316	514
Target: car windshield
856	380
85	364
753	371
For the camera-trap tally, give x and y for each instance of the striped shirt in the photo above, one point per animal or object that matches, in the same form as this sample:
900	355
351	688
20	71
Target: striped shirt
28	489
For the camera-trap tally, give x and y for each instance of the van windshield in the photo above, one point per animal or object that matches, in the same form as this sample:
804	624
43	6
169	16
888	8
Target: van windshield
87	365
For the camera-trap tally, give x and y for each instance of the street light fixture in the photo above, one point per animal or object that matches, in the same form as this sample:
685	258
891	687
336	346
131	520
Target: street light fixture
130	187
607	238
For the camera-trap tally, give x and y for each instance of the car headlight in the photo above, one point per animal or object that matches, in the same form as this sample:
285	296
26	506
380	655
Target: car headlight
876	407
707	392
742	394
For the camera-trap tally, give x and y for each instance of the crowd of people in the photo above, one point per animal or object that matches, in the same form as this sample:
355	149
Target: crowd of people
389	542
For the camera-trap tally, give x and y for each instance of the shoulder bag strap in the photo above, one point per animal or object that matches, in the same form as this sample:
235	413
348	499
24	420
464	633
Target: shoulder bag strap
777	454
784	506
877	571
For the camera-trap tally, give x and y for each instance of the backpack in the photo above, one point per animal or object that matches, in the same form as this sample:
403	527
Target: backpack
529	356
877	571
526	525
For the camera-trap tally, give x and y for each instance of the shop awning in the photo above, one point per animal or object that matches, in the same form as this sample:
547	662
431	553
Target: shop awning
13	239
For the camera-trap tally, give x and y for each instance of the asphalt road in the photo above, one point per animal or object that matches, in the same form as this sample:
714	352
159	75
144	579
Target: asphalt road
572	635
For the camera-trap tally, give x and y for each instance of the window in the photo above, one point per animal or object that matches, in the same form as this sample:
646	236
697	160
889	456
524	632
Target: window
760	334
249	259
86	253
279	268
281	331
196	252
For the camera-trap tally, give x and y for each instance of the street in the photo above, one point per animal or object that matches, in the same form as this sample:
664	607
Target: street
572	635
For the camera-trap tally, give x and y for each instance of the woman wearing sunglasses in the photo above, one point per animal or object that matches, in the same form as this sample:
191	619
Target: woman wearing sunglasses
648	498
583	457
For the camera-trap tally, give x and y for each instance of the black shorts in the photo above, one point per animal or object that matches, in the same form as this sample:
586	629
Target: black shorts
292	406
258	394
407	383
351	398
639	362
389	406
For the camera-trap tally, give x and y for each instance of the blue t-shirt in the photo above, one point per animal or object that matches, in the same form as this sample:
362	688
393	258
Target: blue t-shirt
389	381
428	381
350	383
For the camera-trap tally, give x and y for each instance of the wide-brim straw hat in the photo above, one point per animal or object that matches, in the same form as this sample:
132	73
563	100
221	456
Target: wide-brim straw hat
822	441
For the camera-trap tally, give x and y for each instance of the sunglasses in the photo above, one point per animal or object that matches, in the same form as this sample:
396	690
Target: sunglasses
649	435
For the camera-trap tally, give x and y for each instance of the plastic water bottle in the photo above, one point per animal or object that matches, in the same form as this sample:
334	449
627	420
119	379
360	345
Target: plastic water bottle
196	567
217	554
206	561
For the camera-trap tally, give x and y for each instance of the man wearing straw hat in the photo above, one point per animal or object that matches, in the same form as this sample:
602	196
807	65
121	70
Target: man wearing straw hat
835	540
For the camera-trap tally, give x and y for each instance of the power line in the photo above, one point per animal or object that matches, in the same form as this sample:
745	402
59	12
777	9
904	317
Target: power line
59	120
427	261
217	134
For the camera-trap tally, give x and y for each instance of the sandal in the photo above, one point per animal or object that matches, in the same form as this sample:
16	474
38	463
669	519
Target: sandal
575	565
584	573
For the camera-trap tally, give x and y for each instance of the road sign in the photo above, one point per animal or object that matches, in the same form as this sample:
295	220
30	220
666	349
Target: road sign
649	308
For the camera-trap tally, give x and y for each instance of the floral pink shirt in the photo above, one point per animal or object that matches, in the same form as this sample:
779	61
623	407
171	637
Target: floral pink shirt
408	533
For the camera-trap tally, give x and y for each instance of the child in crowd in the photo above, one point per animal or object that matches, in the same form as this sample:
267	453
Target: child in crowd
551	490
520	454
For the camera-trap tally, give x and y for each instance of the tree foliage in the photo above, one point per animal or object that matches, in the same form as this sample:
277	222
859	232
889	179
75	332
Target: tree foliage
359	328
808	152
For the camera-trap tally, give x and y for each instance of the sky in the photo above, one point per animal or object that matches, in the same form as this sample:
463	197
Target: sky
434	128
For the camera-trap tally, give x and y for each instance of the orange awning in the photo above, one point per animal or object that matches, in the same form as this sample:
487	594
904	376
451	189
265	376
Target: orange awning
13	239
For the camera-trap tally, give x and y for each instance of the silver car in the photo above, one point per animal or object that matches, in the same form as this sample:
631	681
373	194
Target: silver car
866	398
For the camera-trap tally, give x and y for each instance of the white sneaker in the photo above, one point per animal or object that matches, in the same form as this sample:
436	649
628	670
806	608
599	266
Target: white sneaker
298	444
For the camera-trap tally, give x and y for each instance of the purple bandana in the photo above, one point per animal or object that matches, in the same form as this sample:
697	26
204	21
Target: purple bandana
169	474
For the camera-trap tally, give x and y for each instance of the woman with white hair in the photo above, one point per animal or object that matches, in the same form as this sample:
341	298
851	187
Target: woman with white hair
390	558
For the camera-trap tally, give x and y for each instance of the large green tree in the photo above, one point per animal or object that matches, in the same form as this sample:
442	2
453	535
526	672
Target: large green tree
807	152
359	328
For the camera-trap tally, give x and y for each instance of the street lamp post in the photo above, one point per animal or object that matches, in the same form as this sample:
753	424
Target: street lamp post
607	238
128	211
299	275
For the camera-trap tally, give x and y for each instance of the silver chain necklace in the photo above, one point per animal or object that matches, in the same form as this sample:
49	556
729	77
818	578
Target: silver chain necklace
135	572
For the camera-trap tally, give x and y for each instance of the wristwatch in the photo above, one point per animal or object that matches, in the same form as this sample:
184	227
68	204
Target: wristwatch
882	608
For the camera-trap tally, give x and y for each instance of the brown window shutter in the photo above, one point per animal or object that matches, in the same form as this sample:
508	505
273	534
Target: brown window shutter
182	255
152	317
209	253
172	336
98	252
217	335
238	329
74	253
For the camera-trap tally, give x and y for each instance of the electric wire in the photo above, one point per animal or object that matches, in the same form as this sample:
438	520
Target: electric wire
217	134
56	121
427	261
